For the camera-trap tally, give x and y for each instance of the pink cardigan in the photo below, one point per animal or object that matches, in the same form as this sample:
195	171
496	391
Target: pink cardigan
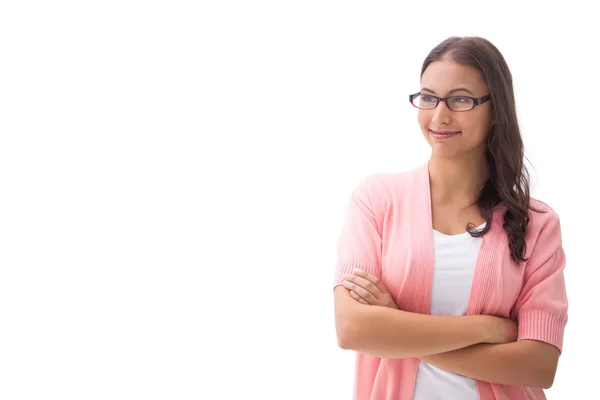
388	232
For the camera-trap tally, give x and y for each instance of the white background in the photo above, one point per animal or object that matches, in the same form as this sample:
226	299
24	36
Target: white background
173	177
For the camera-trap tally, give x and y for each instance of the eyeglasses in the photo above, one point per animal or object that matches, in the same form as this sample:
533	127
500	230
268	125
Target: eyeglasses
455	103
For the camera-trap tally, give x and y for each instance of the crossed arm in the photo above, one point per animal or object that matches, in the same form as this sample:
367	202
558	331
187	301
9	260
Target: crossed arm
386	332
462	349
523	363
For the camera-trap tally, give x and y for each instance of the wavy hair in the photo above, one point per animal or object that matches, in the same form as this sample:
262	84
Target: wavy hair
508	182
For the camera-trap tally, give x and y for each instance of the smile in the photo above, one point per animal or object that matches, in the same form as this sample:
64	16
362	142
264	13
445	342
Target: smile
443	134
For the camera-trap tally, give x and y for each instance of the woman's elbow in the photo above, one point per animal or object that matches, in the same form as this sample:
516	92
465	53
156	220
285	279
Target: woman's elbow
345	319
542	377
549	366
344	337
346	334
547	379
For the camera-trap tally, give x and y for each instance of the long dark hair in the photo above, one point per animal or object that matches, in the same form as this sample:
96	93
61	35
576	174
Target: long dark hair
508	181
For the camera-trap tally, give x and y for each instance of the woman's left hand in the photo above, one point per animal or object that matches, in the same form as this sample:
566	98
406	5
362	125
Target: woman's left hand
367	289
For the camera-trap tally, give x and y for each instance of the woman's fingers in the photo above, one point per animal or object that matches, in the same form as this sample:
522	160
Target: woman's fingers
373	280
356	297
359	290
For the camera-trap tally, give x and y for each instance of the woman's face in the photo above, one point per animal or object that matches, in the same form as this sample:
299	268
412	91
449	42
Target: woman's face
470	128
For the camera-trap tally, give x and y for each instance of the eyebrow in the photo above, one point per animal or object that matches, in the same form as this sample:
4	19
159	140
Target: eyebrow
462	89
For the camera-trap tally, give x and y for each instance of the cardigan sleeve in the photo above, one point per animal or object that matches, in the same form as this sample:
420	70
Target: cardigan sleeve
542	305
359	242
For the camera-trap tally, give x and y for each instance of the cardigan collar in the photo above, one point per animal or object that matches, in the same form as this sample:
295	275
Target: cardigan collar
421	265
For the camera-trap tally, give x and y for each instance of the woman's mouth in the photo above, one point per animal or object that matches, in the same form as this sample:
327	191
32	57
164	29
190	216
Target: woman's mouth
443	134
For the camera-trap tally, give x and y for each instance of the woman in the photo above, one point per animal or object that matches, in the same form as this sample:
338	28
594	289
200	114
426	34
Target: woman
449	279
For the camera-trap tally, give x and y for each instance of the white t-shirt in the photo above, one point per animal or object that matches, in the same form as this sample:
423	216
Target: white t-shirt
455	258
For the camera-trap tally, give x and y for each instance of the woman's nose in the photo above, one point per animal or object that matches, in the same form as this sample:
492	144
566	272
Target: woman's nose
442	114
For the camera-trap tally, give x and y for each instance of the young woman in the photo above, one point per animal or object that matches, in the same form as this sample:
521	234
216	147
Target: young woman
449	279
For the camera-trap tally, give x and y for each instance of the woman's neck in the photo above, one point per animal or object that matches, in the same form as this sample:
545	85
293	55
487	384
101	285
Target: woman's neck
457	180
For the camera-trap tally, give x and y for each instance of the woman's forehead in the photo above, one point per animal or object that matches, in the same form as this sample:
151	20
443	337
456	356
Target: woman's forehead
444	76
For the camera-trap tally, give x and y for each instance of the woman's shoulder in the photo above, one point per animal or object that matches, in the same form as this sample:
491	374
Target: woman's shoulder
544	229
386	184
541	214
383	190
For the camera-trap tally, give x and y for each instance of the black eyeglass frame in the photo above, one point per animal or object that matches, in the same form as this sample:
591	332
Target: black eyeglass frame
477	101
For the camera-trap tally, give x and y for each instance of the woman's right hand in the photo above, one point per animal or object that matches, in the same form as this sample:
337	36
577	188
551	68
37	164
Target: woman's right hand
499	330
